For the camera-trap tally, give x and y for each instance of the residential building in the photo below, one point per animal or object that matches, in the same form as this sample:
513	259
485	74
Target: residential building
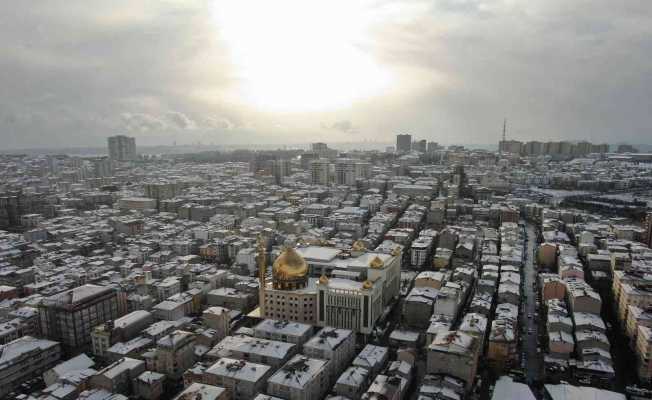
70	316
242	379
25	358
122	148
335	345
174	354
454	353
403	143
301	378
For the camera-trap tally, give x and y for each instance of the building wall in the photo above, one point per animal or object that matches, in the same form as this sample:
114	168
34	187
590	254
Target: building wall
296	306
462	366
340	357
72	324
26	366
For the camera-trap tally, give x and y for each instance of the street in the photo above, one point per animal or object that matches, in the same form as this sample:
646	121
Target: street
529	320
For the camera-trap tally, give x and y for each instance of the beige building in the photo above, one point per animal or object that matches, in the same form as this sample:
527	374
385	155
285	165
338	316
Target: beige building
291	295
582	298
174	354
547	255
552	287
644	353
636	317
633	295
241	379
340	302
335	345
349	304
561	343
454	353
432	279
25	358
301	378
218	318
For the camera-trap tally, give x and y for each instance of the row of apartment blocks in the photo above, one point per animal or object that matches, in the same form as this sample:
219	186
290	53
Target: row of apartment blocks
612	256
560	149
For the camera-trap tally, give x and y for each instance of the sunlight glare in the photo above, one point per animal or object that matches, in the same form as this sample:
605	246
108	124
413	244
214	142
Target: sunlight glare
294	56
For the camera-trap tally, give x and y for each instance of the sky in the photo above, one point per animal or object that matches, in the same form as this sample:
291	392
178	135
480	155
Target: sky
288	71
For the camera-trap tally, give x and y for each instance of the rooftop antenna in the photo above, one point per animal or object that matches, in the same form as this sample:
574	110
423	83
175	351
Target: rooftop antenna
505	130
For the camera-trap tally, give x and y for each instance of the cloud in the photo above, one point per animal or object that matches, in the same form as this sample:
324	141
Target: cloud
344	126
221	123
75	74
180	120
142	123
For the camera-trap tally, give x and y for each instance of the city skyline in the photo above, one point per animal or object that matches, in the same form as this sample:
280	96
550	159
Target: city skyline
326	200
203	71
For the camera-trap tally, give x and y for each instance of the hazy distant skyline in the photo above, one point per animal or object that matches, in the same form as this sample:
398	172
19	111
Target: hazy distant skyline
239	71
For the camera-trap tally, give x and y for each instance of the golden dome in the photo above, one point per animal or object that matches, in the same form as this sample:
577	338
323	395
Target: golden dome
289	266
367	284
376	263
358	245
323	280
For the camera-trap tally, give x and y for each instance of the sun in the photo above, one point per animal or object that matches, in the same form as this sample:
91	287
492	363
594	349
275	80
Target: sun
299	56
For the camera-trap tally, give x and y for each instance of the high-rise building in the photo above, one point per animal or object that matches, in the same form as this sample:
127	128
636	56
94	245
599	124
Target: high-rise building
552	148
320	171
565	148
648	229
432	147
626	148
582	148
102	167
307	158
70	316
533	148
600	148
122	148
510	146
403	143
420	145
319	148
348	171
280	169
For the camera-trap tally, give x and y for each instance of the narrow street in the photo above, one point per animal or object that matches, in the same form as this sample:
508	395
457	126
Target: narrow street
532	362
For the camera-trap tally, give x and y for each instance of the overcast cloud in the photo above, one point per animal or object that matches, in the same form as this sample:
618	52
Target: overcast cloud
73	72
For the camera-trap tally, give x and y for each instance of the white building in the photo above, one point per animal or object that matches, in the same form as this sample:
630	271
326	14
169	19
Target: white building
284	331
349	304
335	345
301	378
242	379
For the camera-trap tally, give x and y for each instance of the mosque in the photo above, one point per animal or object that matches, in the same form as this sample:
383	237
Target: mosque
324	287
